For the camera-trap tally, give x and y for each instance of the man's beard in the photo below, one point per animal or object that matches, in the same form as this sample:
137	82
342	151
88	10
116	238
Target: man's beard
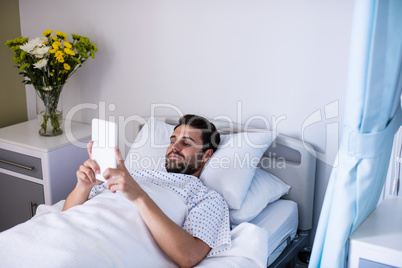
189	166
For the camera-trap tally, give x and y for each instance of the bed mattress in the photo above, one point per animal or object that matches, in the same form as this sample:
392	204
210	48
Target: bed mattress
280	219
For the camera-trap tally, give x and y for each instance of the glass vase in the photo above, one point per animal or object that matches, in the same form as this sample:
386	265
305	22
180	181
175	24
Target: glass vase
49	110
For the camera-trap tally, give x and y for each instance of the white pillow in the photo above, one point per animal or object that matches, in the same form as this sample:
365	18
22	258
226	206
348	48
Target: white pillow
149	148
264	189
231	168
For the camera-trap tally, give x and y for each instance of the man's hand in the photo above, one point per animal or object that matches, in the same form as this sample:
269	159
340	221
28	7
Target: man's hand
85	181
119	179
86	173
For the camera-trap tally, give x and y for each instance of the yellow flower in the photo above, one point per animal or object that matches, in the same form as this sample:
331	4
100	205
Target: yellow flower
69	52
56	45
61	35
59	56
50	58
47	33
67	44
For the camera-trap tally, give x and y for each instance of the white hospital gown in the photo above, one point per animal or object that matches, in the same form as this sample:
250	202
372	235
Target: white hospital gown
207	212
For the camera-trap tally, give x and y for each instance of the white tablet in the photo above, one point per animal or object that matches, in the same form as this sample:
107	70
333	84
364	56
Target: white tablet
104	137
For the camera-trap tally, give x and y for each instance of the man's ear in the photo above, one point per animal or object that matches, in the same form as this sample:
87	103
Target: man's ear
207	155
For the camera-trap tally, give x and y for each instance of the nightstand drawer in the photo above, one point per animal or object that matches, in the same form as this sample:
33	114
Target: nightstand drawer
21	163
19	199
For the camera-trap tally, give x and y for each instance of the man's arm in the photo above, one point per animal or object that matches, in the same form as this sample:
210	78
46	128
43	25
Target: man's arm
77	197
184	249
85	181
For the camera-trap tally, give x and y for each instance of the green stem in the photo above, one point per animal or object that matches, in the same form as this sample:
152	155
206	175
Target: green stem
50	100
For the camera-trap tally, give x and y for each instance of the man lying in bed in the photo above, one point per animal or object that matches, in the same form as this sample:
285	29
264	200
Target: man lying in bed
206	226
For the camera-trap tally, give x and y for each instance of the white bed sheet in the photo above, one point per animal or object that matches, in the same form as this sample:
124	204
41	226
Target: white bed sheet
280	219
249	249
97	236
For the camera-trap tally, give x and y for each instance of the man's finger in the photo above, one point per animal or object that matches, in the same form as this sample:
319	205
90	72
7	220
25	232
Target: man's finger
89	148
93	165
109	173
119	157
86	173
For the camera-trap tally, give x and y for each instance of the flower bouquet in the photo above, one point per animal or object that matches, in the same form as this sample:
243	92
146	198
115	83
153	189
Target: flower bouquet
47	62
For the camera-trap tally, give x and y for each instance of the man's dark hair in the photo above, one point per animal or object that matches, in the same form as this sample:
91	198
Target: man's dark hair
210	136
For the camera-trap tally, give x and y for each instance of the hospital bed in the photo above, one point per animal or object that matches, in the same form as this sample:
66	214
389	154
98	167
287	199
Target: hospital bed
272	236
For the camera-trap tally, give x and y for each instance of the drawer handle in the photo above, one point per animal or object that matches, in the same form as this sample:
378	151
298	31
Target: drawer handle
32	208
16	165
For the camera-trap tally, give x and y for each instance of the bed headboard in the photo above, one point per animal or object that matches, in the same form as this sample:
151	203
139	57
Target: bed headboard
298	171
290	159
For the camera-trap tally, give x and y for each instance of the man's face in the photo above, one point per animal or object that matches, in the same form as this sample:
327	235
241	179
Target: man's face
184	154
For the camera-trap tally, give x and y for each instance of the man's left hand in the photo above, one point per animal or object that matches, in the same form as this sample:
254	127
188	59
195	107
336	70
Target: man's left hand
119	179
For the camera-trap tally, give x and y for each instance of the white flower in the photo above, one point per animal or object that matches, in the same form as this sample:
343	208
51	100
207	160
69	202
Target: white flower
40	64
43	39
28	46
39	52
39	40
33	43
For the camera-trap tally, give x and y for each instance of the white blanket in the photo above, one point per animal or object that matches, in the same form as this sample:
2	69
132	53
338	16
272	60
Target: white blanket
108	232
105	232
249	249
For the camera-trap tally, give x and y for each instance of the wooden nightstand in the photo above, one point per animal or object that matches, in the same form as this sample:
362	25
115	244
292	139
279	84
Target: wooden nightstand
37	170
377	243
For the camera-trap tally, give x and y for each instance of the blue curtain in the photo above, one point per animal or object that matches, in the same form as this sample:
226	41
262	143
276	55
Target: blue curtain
372	116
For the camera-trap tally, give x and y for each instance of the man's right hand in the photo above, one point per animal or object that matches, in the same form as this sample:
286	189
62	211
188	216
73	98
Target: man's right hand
86	173
85	181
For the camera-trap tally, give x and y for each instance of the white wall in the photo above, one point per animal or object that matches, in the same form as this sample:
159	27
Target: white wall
285	61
